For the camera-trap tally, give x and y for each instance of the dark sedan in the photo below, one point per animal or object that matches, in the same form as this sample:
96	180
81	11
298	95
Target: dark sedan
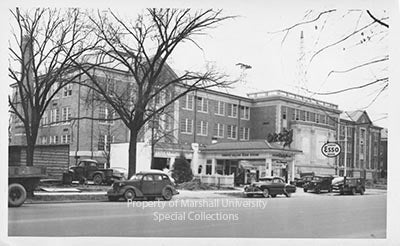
269	186
150	184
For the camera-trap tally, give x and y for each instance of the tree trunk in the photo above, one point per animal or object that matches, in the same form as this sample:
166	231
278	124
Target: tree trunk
30	149
132	152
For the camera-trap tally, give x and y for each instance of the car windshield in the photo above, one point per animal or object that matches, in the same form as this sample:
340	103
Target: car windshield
265	179
136	177
317	178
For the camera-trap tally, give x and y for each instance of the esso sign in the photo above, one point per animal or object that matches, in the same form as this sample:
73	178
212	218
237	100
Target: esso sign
331	149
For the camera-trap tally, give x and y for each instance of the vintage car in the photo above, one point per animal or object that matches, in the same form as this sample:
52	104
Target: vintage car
318	184
269	186
149	184
300	182
349	185
89	169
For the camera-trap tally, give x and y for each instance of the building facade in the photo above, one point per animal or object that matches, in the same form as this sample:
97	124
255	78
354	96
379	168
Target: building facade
219	133
361	142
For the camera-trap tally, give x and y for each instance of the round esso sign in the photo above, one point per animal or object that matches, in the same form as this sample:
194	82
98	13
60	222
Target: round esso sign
331	149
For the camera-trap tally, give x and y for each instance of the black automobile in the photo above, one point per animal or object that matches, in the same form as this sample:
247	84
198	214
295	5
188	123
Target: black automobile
269	186
318	184
300	182
149	184
348	185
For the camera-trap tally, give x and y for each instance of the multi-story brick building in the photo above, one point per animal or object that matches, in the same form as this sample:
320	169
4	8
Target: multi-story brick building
360	141
76	118
219	132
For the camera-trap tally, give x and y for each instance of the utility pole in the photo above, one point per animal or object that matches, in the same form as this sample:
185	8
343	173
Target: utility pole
345	151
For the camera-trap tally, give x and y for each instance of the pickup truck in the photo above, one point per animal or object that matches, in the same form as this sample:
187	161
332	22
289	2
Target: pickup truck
89	169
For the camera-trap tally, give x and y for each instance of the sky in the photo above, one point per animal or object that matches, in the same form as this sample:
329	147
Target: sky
251	38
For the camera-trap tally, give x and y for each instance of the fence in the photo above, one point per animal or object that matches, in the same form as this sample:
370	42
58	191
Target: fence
217	180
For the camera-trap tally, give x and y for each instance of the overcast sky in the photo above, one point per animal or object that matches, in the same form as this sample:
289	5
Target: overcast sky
251	38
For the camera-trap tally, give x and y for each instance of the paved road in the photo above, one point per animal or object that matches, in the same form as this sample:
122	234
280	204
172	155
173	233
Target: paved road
311	216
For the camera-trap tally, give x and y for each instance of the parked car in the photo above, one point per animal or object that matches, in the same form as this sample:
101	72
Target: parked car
318	184
300	182
121	172
149	184
269	186
347	185
89	169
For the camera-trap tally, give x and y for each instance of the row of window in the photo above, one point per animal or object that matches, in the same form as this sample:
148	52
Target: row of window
64	139
52	116
220	108
303	115
186	127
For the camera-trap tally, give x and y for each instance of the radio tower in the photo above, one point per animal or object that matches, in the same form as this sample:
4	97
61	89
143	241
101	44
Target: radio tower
301	66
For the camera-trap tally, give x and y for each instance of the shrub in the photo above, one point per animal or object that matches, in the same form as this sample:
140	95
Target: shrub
182	171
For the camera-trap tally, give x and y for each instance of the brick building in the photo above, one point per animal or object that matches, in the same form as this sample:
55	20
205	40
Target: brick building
360	141
219	132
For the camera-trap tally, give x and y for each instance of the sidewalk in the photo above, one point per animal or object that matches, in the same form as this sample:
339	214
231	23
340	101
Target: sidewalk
97	196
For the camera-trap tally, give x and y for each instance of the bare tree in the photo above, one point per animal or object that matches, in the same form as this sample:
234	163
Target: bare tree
366	27
43	45
141	47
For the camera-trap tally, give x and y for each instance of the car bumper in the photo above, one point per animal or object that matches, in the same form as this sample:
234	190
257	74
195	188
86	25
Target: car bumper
112	192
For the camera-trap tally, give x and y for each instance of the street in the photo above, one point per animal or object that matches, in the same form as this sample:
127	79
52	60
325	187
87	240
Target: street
310	216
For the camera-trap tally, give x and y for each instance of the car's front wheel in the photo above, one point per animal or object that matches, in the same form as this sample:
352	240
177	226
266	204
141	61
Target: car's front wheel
362	191
129	194
167	194
288	194
353	191
97	179
266	193
305	189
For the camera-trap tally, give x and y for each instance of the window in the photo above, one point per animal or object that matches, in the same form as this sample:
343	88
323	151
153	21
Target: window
104	142
202	104
284	113
186	126
53	139
168	123
232	110
66	139
45	119
44	140
307	116
66	114
67	90
244	112
187	102
148	178
317	118
208	167
220	108
158	177
297	114
202	128
244	133
323	119
302	115
106	115
232	131
55	115
218	130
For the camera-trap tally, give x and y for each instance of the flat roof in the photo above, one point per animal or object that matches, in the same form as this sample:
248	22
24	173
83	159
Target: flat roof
247	145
